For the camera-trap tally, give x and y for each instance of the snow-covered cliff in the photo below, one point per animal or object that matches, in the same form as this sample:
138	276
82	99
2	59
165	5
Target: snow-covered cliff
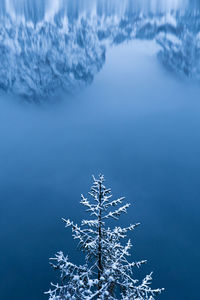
64	47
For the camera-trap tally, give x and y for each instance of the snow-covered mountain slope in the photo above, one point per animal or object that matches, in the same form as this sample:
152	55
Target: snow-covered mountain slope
62	50
36	61
181	53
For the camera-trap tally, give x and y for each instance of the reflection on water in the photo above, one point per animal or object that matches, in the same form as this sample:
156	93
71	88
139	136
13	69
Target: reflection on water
46	46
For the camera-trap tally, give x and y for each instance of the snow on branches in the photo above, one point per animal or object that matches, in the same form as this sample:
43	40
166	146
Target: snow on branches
107	273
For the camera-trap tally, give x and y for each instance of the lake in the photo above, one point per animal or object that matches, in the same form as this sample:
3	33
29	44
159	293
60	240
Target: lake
99	86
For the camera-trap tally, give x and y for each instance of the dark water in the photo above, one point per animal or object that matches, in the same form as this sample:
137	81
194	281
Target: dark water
118	90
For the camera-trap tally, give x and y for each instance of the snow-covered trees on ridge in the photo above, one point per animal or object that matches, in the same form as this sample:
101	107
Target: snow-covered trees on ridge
107	272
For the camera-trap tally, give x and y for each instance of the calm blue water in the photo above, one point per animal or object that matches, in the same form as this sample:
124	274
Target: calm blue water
99	86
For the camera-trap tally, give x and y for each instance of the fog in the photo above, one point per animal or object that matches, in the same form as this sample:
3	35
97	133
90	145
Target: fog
140	127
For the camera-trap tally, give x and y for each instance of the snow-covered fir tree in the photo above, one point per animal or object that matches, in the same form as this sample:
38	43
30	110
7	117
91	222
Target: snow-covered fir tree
107	273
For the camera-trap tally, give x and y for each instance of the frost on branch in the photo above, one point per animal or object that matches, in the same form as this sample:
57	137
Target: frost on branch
107	273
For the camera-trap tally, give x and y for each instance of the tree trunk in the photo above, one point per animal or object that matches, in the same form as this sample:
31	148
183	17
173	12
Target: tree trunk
100	268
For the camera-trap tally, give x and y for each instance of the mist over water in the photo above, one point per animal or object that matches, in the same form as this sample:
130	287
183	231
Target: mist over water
135	119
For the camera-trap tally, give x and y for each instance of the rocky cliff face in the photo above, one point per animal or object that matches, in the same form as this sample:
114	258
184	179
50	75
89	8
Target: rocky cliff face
38	60
65	51
180	50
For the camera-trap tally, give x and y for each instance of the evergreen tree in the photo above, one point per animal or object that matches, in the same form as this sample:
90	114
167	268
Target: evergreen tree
107	274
